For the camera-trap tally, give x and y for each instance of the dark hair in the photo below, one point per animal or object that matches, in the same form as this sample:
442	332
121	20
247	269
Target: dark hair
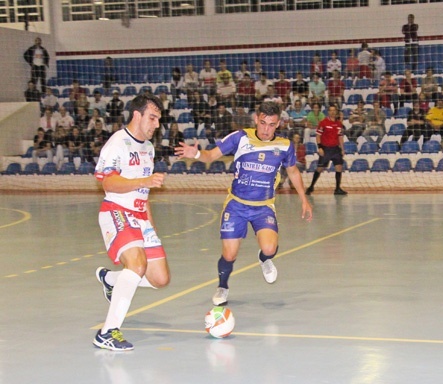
269	108
140	103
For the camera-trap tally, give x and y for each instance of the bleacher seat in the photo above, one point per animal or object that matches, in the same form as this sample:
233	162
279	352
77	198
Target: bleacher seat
409	147
181	104
389	147
388	112
344	167
380	165
66	169
311	148
160	166
99	89
346	113
189	133
49	169
178	167
129	90
13	169
185	117
424	164
349	83
402	112
431	146
210	146
359	165
28	153
368	148
31	169
127	105
86	168
66	92
354	98
313	166
439	166
161	88
197	167
402	165
396	129
350	147
231	168
370	98
145	88
363	83
217	166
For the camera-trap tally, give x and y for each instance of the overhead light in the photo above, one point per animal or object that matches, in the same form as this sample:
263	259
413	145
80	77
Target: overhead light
98	2
103	18
147	16
185	5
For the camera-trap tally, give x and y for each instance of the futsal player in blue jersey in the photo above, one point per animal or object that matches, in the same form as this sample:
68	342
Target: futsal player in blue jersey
258	156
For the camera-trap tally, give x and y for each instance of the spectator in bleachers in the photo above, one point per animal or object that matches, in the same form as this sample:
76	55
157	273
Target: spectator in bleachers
42	146
375	124
358	120
297	115
261	88
434	117
190	81
32	94
300	89
175	137
61	146
166	117
49	100
48	121
316	66
226	91
94	118
241	119
224	73
257	71
314	117
116	127
76	142
388	91
82	102
38	58
222	122
246	92
336	90
82	119
98	103
97	138
317	89
207	78
213	106
274	97
76	90
115	107
352	65
239	75
364	60
333	64
70	105
300	154
109	75
416	124
177	83
429	85
424	104
65	120
408	88
283	87
378	65
410	31
200	110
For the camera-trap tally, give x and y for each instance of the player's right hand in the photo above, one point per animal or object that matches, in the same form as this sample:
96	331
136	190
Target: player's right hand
155	181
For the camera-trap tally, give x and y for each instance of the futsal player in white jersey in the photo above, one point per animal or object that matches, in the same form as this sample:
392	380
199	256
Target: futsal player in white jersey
125	168
258	156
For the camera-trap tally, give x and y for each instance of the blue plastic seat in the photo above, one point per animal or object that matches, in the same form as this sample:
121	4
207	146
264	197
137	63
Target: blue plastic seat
313	166
311	148
189	133
13	169
66	169
130	90
231	168
28	153
31	169
145	88
388	112
350	147
402	165
86	168
410	147
439	167
389	147
370	98
161	88
354	98
185	117
380	165
363	83
402	112
368	148
181	104
396	129
197	167
431	146
424	164
178	167
49	169
217	166
160	166
359	165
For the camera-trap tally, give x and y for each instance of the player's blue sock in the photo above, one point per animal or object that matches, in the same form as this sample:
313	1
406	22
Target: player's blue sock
224	271
263	257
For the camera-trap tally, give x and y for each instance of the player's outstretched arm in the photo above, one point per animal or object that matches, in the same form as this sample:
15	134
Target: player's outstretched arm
120	184
192	152
295	177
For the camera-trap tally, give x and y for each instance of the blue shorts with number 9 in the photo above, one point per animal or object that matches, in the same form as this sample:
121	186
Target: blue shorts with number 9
236	216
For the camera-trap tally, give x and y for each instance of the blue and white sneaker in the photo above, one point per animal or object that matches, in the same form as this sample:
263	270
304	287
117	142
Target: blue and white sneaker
268	269
112	340
107	289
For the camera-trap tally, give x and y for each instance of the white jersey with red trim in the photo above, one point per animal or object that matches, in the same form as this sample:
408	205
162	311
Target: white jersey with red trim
130	158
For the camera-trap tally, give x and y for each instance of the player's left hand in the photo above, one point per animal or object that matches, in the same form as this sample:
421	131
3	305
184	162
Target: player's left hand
185	150
306	211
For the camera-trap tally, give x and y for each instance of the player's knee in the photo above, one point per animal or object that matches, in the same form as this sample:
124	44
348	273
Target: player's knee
160	281
269	250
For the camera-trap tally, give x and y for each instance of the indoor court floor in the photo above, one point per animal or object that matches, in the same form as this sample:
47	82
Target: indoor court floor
358	299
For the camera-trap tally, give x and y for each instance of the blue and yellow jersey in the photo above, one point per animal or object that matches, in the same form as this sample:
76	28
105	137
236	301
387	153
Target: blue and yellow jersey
257	165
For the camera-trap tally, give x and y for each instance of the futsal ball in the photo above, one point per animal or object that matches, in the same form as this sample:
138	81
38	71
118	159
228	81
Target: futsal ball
219	322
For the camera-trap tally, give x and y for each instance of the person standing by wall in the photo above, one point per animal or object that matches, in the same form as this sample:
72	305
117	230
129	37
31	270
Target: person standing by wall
38	58
410	30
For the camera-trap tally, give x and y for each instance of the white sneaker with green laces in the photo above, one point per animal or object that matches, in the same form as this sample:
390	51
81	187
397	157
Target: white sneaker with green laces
269	270
221	296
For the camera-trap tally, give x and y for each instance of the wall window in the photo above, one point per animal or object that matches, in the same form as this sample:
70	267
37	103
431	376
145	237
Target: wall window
21	11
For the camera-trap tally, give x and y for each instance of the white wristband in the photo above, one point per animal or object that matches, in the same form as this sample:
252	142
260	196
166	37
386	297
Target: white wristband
197	155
